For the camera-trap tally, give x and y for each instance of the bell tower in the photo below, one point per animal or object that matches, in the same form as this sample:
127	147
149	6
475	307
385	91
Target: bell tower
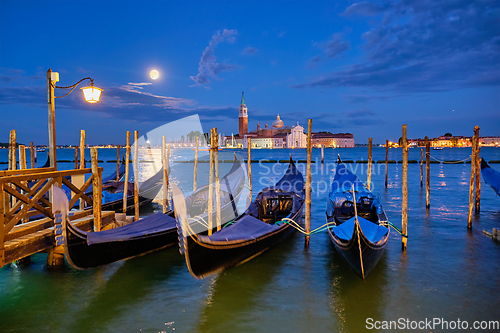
243	117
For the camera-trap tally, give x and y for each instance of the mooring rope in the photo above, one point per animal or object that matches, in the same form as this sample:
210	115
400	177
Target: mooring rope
441	161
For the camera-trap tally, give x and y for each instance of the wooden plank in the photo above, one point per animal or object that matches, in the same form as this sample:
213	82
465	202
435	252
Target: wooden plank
5	173
125	184
44	239
33	226
52	174
79	193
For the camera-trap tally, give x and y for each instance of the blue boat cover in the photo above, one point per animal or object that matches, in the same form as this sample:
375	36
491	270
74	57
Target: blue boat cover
148	226
372	231
342	190
491	176
247	228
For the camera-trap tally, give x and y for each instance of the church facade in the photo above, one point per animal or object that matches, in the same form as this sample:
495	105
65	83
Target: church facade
275	136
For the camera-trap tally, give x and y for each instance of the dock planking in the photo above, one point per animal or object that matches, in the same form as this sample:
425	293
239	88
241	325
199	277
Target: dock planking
38	236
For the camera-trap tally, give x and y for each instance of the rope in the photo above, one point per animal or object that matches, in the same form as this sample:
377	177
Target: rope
468	158
390	224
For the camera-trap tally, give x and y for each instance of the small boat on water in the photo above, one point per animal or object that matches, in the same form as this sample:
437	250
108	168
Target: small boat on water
260	227
360	230
91	249
490	176
437	148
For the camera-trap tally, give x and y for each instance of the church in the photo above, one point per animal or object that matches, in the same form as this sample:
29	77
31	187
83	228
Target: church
276	136
280	136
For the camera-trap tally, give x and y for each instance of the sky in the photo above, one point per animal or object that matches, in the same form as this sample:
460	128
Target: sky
360	67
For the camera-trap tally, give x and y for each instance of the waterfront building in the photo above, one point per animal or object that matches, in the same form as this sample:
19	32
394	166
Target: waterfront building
280	136
329	140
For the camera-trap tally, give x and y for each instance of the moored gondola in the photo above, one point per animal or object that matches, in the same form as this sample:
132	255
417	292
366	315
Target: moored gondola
90	249
360	230
491	176
256	230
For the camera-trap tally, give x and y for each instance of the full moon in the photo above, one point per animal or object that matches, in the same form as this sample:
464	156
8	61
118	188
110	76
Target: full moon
154	74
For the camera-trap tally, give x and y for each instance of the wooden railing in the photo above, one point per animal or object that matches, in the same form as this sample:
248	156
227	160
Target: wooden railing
23	194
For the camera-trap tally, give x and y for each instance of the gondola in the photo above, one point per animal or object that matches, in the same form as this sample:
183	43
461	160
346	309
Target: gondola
256	230
91	249
360	231
491	176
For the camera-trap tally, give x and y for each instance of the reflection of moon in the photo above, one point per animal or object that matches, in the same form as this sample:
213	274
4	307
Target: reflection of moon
154	74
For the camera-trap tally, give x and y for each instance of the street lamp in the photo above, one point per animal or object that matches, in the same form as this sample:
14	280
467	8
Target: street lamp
90	93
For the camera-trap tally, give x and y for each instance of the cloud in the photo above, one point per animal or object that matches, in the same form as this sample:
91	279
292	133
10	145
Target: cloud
128	102
332	48
209	67
365	8
425	46
249	50
360	113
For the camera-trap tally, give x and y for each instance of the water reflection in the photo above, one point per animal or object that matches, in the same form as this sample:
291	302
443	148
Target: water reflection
353	300
235	293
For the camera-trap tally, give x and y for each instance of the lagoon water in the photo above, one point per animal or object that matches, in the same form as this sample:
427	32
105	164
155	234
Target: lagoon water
448	272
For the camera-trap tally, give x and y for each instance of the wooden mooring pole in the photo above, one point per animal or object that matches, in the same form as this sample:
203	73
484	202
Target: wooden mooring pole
136	175
195	174
32	155
249	161
478	173
12	151
471	184
82	160
322	155
369	178
97	190
308	182
421	167
427	173
125	184
82	149
118	163
165	175
22	157
211	184
217	183
76	157
405	189
386	155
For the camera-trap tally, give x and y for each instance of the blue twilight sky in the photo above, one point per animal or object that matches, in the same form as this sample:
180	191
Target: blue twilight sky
359	67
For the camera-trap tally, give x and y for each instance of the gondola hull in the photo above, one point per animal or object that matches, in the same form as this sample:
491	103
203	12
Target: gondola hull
491	176
204	259
349	251
80	255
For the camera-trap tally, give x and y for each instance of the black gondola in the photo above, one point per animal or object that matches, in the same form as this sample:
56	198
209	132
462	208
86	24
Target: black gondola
90	249
360	232
256	230
491	176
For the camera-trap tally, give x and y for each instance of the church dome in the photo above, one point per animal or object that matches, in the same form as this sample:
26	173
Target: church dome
278	123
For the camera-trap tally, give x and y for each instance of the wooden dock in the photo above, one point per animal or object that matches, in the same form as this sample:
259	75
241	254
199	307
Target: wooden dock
26	216
38	236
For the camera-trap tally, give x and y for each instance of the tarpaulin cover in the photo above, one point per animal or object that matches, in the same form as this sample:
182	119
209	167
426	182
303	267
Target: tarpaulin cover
246	228
491	176
372	231
342	190
152	224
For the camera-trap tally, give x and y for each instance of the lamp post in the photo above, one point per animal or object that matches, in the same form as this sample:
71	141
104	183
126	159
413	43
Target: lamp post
90	93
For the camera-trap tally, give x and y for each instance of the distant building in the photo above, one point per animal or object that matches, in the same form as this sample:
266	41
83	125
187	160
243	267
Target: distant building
329	140
281	136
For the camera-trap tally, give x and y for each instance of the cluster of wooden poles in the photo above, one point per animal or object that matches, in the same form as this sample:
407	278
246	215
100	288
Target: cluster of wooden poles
214	172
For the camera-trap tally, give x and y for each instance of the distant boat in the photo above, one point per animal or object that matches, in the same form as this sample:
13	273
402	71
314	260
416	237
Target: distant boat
490	176
40	149
437	148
